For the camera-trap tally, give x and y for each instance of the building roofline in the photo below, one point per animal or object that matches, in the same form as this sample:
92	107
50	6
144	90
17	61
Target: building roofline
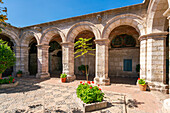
144	2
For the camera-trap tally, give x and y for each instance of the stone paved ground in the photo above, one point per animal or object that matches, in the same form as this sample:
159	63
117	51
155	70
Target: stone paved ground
52	96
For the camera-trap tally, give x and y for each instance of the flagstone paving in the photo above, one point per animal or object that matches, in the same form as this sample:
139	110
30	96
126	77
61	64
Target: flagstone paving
41	97
52	96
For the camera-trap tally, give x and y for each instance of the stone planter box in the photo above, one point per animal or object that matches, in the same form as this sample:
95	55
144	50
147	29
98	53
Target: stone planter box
90	107
3	86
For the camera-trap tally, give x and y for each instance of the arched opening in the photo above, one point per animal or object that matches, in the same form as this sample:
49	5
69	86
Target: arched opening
90	60
55	56
8	71
124	54
33	66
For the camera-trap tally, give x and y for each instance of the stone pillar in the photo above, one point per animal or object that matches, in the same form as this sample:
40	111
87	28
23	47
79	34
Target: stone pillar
156	61
42	61
24	60
143	57
17	64
68	60
101	74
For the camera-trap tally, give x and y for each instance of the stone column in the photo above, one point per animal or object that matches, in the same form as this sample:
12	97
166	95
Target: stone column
17	63
156	61
143	57
42	61
68	60
24	60
101	74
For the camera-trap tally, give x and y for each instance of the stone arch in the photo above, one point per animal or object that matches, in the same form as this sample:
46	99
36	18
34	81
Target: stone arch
49	33
156	9
125	19
81	26
12	35
28	35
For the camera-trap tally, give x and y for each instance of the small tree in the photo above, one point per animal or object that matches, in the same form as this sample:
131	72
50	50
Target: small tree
82	47
7	57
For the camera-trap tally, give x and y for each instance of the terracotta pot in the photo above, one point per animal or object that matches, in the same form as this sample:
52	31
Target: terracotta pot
63	79
83	71
142	87
19	75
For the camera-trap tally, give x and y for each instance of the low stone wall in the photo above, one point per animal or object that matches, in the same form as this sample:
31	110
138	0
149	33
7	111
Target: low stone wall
3	86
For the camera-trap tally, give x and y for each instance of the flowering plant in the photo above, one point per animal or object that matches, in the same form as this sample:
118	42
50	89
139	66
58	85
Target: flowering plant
88	93
141	81
8	80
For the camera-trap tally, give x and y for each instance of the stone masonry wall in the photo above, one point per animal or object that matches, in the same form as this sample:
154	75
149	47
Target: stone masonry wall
116	59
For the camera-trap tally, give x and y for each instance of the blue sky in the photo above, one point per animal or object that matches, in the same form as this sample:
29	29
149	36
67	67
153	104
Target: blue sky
30	12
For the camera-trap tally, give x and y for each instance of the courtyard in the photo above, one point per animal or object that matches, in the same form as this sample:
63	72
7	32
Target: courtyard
51	96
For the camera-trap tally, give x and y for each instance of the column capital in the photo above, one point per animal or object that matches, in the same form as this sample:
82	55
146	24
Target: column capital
43	46
153	35
102	41
67	43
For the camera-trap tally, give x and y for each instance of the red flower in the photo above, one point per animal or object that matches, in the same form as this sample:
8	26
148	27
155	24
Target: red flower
138	78
90	87
0	78
9	75
9	81
93	82
13	80
100	89
83	83
80	82
88	82
98	85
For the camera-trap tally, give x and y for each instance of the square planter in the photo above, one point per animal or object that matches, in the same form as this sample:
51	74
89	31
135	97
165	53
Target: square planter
90	107
4	86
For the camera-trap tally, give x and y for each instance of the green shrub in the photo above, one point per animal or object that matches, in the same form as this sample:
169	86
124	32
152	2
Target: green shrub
63	75
19	72
7	80
141	81
7	56
89	94
83	68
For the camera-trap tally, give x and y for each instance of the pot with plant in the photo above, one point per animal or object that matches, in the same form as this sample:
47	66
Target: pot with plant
63	77
142	84
19	73
82	68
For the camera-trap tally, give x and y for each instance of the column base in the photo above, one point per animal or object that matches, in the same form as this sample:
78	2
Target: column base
71	78
156	86
102	81
166	104
42	75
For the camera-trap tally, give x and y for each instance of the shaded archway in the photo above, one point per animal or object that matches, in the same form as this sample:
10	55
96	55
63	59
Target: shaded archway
55	56
124	54
8	71
33	57
90	60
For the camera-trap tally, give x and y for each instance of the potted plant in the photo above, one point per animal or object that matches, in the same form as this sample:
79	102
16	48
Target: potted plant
82	68
63	77
19	73
142	84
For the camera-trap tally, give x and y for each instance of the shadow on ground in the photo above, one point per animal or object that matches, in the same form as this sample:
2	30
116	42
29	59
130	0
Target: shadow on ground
25	84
